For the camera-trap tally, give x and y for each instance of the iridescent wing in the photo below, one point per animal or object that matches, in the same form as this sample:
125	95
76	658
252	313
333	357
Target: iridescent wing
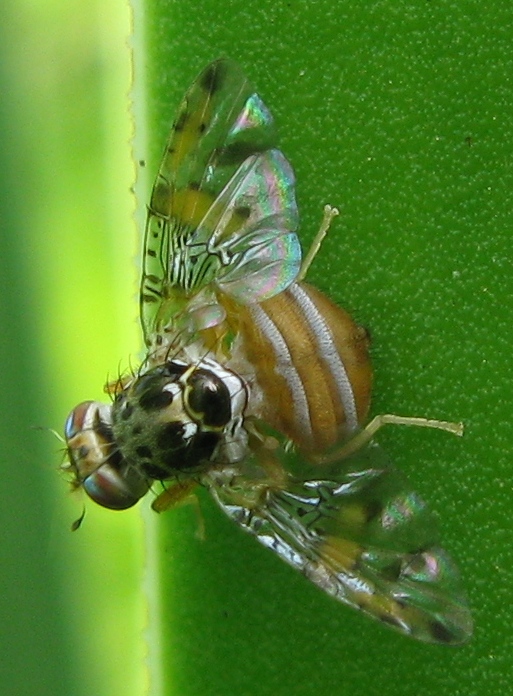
222	214
362	535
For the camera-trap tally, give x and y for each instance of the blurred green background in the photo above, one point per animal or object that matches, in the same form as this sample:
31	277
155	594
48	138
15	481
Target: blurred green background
72	611
399	113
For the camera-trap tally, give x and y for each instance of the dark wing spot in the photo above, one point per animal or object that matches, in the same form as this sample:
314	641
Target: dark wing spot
392	572
243	211
237	152
161	197
212	78
440	632
372	510
180	122
202	127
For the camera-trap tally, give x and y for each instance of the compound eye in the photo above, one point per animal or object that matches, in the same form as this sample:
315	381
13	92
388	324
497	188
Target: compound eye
208	398
115	488
95	461
76	421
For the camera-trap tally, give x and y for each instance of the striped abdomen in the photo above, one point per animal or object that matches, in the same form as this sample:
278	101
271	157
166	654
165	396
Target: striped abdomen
311	363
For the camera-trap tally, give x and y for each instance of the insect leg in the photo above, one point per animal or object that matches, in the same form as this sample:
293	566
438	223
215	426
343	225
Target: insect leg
329	214
365	436
175	494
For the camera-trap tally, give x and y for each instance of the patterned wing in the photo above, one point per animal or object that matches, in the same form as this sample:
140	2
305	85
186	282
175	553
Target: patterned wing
362	535
222	210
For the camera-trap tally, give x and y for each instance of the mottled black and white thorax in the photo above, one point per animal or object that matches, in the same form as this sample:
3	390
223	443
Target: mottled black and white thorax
178	416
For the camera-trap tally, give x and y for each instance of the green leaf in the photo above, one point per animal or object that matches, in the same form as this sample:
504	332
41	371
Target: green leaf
399	114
